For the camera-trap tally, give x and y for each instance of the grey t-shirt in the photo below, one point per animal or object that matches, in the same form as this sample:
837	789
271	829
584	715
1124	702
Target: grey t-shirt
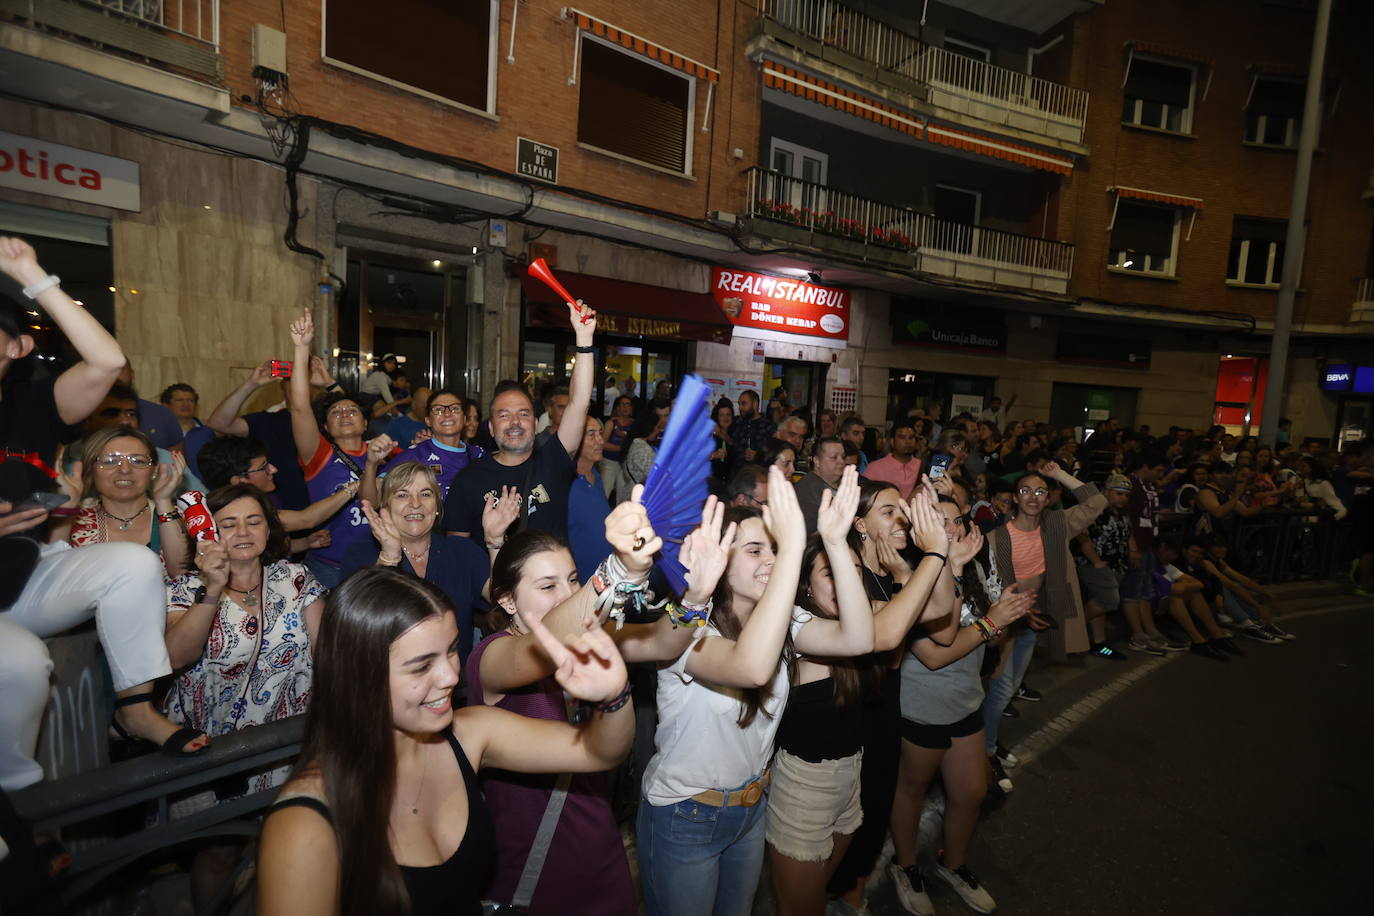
945	695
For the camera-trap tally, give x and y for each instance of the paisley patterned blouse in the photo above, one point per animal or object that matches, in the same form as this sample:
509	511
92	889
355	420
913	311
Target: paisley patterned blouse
245	677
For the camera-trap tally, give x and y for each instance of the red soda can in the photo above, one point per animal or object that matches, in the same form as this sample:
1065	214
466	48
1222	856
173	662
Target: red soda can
200	524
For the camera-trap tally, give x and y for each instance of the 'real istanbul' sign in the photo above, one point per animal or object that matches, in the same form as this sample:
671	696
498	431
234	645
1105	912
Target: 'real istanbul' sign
67	172
782	304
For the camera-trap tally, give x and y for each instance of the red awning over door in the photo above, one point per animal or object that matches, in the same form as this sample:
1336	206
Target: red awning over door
631	309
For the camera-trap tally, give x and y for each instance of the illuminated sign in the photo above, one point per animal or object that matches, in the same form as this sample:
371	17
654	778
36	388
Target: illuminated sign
64	171
1337	378
781	304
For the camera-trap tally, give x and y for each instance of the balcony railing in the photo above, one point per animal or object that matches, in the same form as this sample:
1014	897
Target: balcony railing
198	19
973	87
847	217
1363	309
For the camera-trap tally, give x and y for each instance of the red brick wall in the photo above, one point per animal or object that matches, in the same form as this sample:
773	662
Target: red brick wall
533	97
1231	178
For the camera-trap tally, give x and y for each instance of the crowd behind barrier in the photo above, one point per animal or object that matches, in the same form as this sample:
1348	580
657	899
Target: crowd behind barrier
431	634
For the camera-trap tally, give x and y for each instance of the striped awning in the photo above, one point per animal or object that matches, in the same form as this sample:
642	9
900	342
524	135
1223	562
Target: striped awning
814	89
1158	197
635	43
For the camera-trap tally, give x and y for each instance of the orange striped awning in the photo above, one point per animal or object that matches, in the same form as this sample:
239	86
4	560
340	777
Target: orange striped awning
633	42
815	89
1158	197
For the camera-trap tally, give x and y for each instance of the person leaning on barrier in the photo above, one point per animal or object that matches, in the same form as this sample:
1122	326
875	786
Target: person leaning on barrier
46	588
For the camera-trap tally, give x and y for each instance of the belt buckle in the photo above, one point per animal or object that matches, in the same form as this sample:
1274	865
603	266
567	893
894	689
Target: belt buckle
751	795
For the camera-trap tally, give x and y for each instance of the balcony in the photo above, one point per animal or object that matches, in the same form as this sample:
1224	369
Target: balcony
1363	309
849	226
182	34
953	83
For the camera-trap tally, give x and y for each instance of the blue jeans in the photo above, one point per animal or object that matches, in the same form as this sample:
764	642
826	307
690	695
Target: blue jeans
700	860
1238	610
329	576
1001	690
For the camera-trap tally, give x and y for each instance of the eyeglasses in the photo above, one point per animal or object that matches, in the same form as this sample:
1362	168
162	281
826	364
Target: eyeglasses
345	412
755	500
113	459
446	410
1034	491
258	470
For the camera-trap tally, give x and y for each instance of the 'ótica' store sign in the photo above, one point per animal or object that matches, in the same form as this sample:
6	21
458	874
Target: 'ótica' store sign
67	172
783	304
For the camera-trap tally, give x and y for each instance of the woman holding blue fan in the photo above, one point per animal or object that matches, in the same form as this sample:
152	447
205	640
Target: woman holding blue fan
702	815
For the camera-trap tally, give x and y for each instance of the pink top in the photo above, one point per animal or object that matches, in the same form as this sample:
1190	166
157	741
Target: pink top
904	477
1027	552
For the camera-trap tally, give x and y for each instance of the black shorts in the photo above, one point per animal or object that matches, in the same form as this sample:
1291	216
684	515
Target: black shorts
939	737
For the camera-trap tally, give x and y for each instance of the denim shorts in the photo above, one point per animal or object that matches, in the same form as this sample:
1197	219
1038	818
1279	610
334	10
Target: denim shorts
1139	584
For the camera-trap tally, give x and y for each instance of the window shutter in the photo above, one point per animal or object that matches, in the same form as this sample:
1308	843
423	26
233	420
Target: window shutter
1158	82
1259	230
1281	98
631	107
440	48
1143	229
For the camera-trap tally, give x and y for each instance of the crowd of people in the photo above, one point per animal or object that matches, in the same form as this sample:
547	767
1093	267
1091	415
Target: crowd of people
434	590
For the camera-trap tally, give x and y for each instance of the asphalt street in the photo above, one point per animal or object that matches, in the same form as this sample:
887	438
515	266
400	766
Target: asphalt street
1202	788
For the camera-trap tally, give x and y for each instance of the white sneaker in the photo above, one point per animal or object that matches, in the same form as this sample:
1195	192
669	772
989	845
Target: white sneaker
838	907
911	889
967	886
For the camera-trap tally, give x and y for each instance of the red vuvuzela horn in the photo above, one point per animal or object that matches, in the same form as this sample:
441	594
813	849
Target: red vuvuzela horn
540	271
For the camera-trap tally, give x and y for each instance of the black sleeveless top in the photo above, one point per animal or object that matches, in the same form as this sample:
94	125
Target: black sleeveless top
454	886
815	728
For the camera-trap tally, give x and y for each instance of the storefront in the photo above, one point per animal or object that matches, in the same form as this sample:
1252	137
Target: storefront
943	326
1353	386
644	334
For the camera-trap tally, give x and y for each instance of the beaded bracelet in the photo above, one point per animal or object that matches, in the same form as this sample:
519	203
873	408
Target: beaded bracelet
615	703
615	589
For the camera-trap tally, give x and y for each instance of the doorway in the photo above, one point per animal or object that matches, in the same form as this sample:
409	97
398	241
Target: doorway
801	175
959	209
803	383
953	394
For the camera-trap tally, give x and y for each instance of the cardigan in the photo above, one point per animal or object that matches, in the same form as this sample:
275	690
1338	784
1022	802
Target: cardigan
1059	595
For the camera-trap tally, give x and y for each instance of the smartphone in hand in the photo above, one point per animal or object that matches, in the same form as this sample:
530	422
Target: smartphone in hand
939	465
281	368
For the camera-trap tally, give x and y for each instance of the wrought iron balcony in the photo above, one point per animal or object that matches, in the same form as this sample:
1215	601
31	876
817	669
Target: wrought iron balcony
960	84
846	224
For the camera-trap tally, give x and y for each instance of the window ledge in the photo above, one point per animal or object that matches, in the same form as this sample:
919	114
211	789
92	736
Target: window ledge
1159	130
1239	284
621	157
1255	144
408	88
1143	275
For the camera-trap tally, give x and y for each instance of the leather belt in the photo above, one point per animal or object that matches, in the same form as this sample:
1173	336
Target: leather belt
749	796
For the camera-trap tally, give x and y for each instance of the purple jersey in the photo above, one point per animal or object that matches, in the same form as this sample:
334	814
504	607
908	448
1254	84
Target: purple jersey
325	474
444	460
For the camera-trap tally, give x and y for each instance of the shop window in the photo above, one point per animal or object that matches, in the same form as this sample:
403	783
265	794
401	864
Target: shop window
446	51
1273	115
1145	238
1256	257
630	106
1159	94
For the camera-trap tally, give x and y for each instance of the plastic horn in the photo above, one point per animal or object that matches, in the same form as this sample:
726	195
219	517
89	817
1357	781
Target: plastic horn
540	271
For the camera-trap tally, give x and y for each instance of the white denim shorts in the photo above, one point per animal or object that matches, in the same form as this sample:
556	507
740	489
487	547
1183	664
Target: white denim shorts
809	803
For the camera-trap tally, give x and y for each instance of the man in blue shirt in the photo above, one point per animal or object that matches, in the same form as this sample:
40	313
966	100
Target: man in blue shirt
404	427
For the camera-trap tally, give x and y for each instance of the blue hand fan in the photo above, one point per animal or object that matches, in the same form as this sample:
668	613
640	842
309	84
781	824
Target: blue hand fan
676	487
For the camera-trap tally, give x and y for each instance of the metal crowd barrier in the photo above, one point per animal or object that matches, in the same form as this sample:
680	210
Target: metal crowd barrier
1278	545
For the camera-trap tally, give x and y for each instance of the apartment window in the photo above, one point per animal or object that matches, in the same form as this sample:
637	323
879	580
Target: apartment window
1145	238
445	51
633	107
1273	115
1256	251
1159	94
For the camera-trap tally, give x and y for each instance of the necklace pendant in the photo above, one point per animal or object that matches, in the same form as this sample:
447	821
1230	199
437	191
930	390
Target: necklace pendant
124	526
414	810
250	600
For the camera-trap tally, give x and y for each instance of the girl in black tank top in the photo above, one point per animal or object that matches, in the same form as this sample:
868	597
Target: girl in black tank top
454	886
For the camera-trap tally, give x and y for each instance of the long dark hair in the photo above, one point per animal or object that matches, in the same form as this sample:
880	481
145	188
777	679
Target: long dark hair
970	580
278	546
868	495
728	625
348	738
510	562
850	675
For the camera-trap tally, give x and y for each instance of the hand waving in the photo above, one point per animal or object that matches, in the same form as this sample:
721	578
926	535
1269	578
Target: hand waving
379	449
783	515
630	535
169	479
836	515
383	529
964	547
588	666
927	522
499	514
706	552
17	259
303	329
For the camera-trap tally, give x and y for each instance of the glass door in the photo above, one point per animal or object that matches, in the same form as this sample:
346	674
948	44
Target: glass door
802	175
1356	422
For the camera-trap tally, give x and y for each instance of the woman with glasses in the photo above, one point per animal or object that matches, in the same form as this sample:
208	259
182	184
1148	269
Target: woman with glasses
445	452
617	428
127	496
332	452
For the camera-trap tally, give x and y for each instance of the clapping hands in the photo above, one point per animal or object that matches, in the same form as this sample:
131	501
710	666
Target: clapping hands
706	552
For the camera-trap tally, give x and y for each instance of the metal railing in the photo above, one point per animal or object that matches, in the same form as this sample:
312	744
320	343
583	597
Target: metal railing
1280	545
820	209
845	29
197	19
1364	291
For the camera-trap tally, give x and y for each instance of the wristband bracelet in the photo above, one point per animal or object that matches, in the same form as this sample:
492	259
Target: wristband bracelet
615	703
42	286
497	546
686	614
931	553
172	516
586	349
388	561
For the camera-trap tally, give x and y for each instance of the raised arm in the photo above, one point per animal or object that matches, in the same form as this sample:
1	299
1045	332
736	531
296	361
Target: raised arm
225	417
852	633
378	453
1091	503
317	513
80	389
912	604
304	429
752	660
580	388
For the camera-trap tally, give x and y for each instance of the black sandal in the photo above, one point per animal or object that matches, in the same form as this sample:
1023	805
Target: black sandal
128	746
